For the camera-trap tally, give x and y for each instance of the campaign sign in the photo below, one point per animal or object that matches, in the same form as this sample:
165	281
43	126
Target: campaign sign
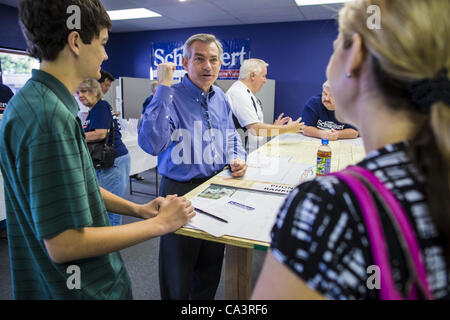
234	53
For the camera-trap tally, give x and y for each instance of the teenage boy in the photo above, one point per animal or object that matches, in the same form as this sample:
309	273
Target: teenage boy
61	244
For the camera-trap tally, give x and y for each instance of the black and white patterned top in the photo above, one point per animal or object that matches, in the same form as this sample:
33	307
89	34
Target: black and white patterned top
320	233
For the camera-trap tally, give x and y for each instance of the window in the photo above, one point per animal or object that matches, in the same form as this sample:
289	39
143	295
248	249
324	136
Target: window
15	68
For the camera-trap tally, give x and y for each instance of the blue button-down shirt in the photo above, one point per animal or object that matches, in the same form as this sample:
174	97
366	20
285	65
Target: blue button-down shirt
191	131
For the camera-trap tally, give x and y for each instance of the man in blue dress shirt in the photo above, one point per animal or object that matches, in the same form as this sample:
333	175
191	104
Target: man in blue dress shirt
190	127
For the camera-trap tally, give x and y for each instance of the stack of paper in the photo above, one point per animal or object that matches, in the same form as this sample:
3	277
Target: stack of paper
249	214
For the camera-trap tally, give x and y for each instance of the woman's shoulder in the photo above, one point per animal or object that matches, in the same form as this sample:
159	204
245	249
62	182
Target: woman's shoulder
318	232
101	107
103	104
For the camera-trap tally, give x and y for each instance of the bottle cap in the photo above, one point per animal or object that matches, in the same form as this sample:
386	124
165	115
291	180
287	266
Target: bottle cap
324	141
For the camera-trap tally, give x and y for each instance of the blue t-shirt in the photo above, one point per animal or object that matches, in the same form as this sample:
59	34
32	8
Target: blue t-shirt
99	117
5	95
146	103
315	114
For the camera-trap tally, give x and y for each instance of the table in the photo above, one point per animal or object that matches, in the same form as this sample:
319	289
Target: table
140	160
239	251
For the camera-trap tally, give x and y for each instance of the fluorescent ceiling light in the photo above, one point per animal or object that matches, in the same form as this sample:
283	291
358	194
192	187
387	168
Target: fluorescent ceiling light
129	14
317	2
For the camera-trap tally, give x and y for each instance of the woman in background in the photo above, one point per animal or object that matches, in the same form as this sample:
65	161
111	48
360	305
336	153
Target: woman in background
392	83
96	127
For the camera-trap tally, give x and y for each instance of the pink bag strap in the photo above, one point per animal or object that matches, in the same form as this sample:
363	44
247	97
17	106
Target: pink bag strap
375	232
404	226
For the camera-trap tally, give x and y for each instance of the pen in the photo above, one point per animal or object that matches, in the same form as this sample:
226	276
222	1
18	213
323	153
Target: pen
210	215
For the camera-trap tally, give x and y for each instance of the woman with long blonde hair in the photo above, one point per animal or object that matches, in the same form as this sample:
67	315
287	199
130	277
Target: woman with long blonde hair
392	83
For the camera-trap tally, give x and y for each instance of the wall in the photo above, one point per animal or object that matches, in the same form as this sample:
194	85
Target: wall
10	34
297	52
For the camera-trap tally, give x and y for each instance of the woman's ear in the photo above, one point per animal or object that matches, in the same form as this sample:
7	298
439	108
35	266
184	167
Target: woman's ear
357	55
73	41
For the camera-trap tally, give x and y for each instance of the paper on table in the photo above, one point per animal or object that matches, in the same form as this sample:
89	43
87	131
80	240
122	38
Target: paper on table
273	169
292	137
250	214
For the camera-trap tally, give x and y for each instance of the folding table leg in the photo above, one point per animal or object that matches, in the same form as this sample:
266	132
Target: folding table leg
238	273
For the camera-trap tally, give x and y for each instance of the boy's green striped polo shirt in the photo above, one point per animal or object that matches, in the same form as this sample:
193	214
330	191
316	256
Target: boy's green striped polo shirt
50	187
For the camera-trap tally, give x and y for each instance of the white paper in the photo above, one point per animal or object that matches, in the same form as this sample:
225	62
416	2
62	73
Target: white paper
273	169
250	214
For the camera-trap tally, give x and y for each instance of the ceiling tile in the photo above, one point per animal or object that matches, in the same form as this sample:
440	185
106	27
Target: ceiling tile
12	3
216	22
237	5
320	12
158	23
194	12
203	13
118	4
268	13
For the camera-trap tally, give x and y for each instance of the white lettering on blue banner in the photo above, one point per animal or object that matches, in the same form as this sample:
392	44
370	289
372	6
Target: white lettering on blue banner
234	53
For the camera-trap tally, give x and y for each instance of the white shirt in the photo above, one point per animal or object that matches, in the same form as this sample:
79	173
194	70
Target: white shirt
243	103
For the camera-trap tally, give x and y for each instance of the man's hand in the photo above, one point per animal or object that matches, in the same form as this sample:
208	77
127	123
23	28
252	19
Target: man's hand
174	213
151	209
331	135
281	121
295	126
238	167
165	73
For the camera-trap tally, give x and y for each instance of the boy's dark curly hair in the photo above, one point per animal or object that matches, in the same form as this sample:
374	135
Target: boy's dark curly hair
45	24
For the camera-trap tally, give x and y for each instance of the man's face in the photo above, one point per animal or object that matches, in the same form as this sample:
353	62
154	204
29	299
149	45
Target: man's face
327	99
204	64
92	55
105	85
260	79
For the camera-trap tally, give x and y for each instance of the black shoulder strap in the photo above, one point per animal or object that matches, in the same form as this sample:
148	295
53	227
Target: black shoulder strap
110	135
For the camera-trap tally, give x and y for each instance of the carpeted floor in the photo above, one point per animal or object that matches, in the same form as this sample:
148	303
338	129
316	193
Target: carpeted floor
141	260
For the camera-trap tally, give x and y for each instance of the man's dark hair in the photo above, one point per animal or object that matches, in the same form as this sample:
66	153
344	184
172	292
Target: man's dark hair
44	24
105	75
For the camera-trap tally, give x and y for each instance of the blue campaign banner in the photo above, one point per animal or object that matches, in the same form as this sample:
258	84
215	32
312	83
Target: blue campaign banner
234	53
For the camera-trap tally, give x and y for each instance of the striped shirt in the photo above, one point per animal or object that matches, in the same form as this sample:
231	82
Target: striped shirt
51	187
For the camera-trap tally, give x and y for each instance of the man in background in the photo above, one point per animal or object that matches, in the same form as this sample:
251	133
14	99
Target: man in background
105	81
247	109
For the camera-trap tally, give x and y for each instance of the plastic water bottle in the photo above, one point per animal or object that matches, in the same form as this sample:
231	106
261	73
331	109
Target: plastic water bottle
323	159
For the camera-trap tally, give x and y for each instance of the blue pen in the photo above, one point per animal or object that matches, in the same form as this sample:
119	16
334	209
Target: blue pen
240	205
